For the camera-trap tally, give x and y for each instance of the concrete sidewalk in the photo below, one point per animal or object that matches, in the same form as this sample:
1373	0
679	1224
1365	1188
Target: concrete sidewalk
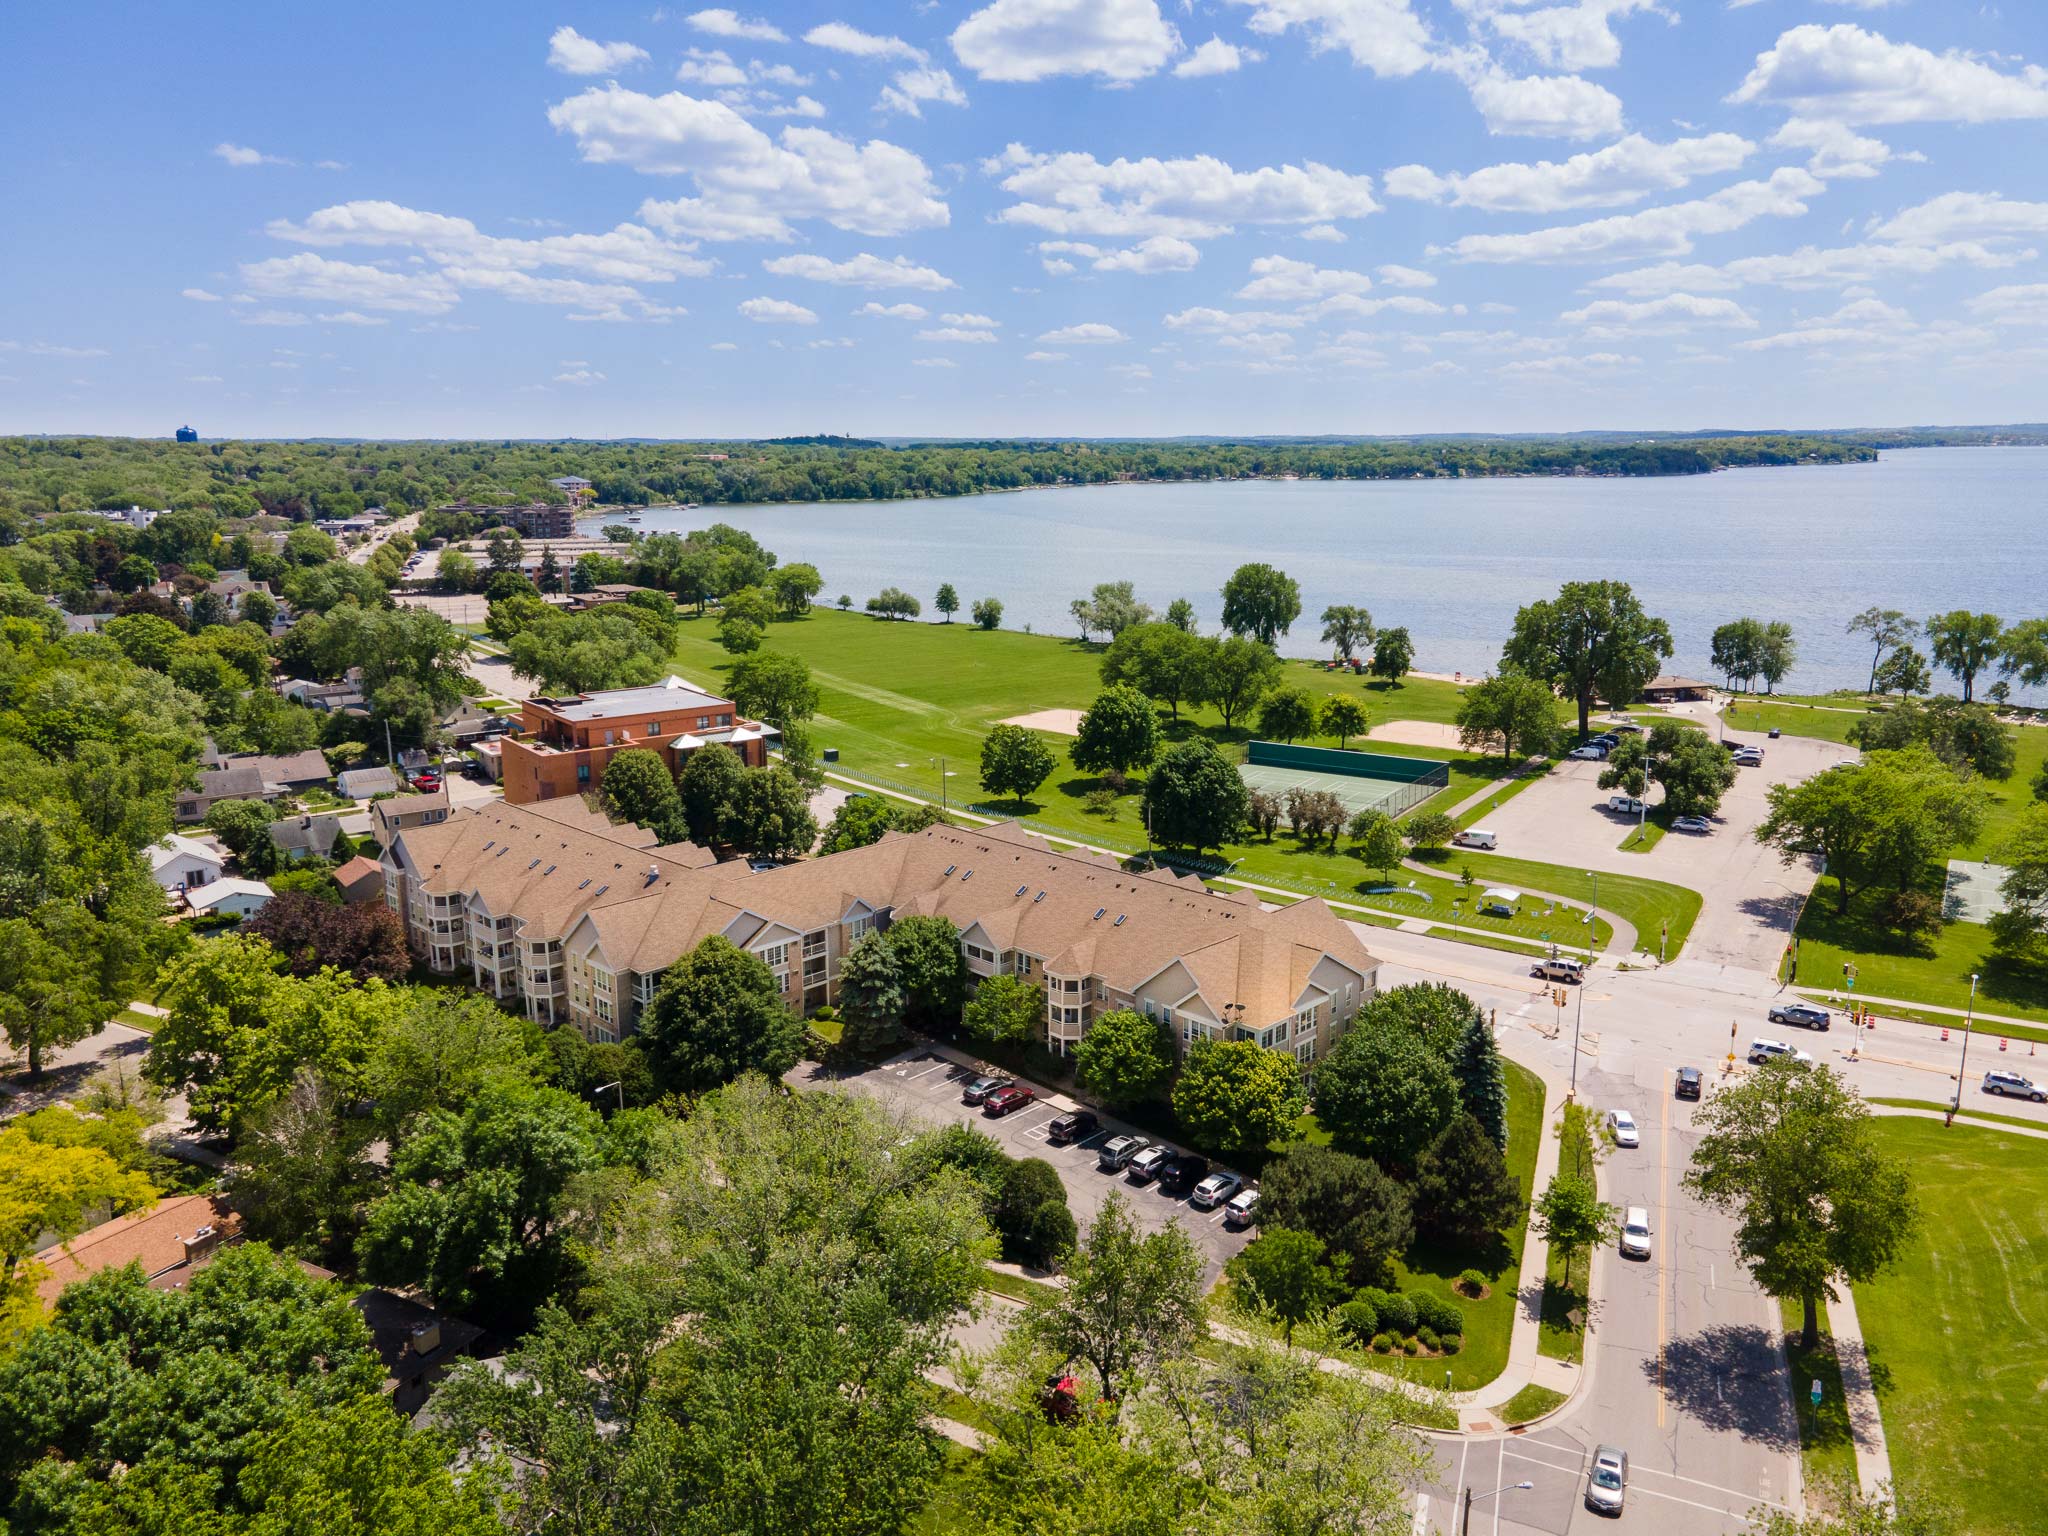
1866	1421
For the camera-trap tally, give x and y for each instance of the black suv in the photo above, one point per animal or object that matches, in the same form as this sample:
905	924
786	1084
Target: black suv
1183	1173
1075	1125
1688	1082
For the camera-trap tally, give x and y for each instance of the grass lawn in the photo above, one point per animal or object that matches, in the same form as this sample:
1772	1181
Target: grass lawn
1563	1333
1830	724
2010	797
948	1510
1489	941
1641	839
1003	1283
1930	968
1478	814
1433	1268
1965	1114
1939	1020
135	1018
1643	902
1532	1402
1955	1329
1827	1447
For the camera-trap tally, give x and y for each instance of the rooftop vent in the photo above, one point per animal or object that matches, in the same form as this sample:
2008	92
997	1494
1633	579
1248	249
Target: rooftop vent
1022	889
949	870
967	877
582	884
1098	914
534	865
1119	920
601	890
550	870
653	873
1038	898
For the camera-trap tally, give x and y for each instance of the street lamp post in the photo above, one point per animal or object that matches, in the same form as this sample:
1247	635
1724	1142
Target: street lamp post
1471	1498
1963	1066
619	1087
1578	1018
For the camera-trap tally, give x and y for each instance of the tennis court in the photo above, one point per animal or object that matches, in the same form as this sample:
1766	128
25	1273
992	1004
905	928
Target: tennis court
1363	781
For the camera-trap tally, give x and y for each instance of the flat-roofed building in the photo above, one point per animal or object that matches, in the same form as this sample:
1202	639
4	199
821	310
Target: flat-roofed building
563	743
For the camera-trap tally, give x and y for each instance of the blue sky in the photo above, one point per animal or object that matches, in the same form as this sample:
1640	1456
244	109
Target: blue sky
1081	217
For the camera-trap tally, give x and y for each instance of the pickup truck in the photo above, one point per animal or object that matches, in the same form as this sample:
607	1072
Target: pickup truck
1628	805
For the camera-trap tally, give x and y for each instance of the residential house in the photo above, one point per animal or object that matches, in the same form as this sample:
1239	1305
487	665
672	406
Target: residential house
574	488
243	898
241	781
469	720
330	697
174	1238
416	1344
179	863
364	783
290	772
135	517
360	879
389	817
306	836
564	743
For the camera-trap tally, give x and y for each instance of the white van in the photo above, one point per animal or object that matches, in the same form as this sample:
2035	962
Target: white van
1476	837
1561	969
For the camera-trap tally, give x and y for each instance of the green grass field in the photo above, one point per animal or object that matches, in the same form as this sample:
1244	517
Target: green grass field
1958	1329
1827	1447
1532	1402
903	703
1930	968
1827	724
1644	903
1965	1114
1563	1332
2010	797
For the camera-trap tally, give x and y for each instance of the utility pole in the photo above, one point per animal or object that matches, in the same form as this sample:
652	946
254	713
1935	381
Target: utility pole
1578	1018
1465	1525
1963	1066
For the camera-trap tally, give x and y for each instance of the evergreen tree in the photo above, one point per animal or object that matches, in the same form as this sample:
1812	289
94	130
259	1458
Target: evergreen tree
871	995
549	577
1482	1081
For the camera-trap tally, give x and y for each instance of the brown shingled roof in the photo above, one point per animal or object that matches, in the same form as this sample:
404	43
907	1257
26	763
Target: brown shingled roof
155	1239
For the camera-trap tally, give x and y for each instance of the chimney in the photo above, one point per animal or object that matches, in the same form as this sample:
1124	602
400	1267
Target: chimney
426	1338
200	1243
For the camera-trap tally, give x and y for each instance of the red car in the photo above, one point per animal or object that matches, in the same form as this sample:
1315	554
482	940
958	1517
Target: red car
426	781
1003	1100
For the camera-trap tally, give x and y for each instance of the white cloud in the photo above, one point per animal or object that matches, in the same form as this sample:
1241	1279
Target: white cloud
1813	267
724	346
1851	75
1261	343
1130	370
240	155
1384	36
777	312
1665	277
352	317
202	378
1045	357
710	66
1216	57
579	376
52	349
862	271
961	335
933	362
1283	280
913	87
1328	233
1089	333
2019	304
749	185
1837	151
1625	171
971	319
574	54
1353	304
1545	106
279	317
199	295
1565	366
1965	216
1076	194
1023	40
1666	231
893	311
1572	37
829	343
628	253
720	22
1395	275
1204	321
1160	253
1865	322
841	38
307	276
1674	312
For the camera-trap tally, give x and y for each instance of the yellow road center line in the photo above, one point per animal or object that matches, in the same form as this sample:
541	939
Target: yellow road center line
1663	1233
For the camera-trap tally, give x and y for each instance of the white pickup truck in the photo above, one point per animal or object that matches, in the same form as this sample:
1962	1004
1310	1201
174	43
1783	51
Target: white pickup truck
1628	805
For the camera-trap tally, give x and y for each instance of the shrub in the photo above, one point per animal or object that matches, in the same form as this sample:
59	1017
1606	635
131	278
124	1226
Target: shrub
1050	1235
1410	1347
1472	1283
1451	1343
1099	802
1397	1312
1381	1344
1359	1319
1435	1313
1912	912
1426	1337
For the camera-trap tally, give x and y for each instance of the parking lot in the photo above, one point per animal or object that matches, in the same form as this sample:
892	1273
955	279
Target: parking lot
926	1085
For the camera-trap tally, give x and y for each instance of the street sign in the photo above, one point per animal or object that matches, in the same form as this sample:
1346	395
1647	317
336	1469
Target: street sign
1815	1392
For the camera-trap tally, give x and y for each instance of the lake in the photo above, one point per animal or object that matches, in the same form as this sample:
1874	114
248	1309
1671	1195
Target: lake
1923	530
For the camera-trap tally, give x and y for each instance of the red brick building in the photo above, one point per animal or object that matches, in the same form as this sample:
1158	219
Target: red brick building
564	743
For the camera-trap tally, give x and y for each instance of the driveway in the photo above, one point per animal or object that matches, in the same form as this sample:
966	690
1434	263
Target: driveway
925	1086
1749	898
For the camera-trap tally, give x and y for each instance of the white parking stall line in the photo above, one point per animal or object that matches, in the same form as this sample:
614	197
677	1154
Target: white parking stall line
939	1066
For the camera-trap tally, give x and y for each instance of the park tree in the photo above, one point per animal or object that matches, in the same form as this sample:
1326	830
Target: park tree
638	787
1235	1096
1570	1216
769	816
454	571
1475	1061
1030	1215
1180	613
1360	1213
717	1012
863	819
1385	1094
1132	1298
2020	930
1125	1059
1235	674
438	1048
1887	630
1736	650
772	686
1165	663
1286	1274
1961	735
1791	1153
1015	761
1005	1009
948	601
1262	812
871	996
1904	672
1964	644
1693	768
1883	818
1593	640
1883	1514
739	635
988	613
1379	841
2023	653
1288	714
1393	655
1434	1012
57	962
1427	831
894	603
1112	608
1463	1190
794	586
1777	651
1195	798
1119	732
708	788
1511	710
1346	628
1344	718
750	602
480	1198
1260	603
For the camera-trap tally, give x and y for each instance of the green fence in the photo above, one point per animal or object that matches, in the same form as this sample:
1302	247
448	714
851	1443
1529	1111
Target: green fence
1358	765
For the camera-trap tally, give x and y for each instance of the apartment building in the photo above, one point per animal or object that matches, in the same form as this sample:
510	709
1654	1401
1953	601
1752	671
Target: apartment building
563	743
1095	935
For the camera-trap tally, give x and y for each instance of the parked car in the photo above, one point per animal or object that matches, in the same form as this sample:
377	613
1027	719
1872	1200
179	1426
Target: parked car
1691	824
1623	1125
2012	1085
1003	1100
1608	740
1242	1210
1627	805
1075	1125
1749	757
425	781
1805	1015
977	1092
1148	1164
1588	753
1627	728
1635	1232
1607	1481
1115	1154
1689	1083
1476	837
1214	1190
1183	1174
